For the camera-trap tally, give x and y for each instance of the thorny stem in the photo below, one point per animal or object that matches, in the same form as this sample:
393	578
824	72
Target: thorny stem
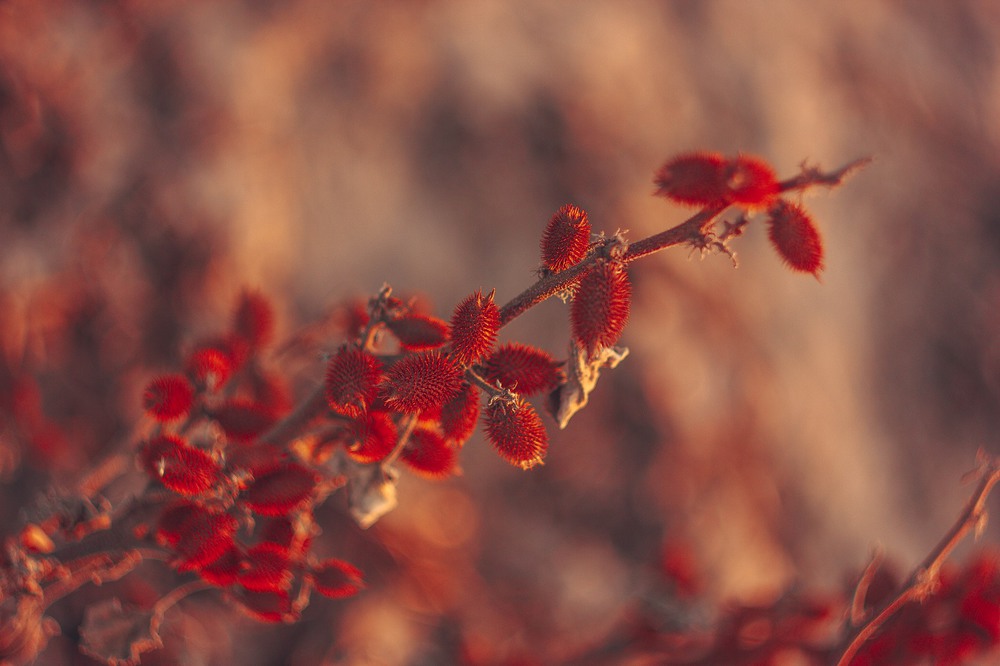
409	425
693	229
924	578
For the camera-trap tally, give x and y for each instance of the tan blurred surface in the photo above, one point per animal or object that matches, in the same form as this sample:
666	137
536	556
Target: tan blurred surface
779	425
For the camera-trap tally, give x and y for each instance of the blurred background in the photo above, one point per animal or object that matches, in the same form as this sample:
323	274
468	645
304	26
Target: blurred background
155	158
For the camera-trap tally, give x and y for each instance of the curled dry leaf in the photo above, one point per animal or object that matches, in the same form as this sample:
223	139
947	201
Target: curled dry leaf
582	375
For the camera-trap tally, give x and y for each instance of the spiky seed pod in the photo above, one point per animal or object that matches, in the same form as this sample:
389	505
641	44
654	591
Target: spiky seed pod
458	416
253	319
280	490
198	535
751	181
266	569
566	239
601	306
292	535
695	179
372	437
474	327
225	569
794	236
336	579
428	454
173	519
243	420
267	606
271	392
352	380
422	381
209	367
169	397
516	432
523	369
179	466
419	332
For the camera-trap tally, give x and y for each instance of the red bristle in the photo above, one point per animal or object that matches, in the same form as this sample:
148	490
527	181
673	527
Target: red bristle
224	570
372	437
209	367
266	569
601	306
169	397
179	466
428	454
421	381
352	380
696	179
172	520
278	530
523	369
566	238
253	320
458	416
291	534
243	420
751	181
516	432
795	237
204	536
419	332
267	606
280	490
474	328
337	579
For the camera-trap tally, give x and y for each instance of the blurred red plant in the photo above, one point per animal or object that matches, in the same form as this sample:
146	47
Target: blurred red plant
236	469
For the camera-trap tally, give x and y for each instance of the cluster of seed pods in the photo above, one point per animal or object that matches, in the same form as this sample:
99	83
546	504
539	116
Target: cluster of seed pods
238	511
404	386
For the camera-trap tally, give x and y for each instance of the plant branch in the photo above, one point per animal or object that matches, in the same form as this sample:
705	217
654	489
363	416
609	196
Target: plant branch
693	229
924	578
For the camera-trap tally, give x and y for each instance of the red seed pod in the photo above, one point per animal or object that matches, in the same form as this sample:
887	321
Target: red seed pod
751	181
266	569
474	328
173	519
280	490
169	397
523	369
267	606
458	416
179	466
601	306
422	381
428	454
352	380
225	569
566	239
516	432
372	437
419	332
209	367
243	420
292	535
696	179
253	320
795	237
198	535
271	392
337	579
